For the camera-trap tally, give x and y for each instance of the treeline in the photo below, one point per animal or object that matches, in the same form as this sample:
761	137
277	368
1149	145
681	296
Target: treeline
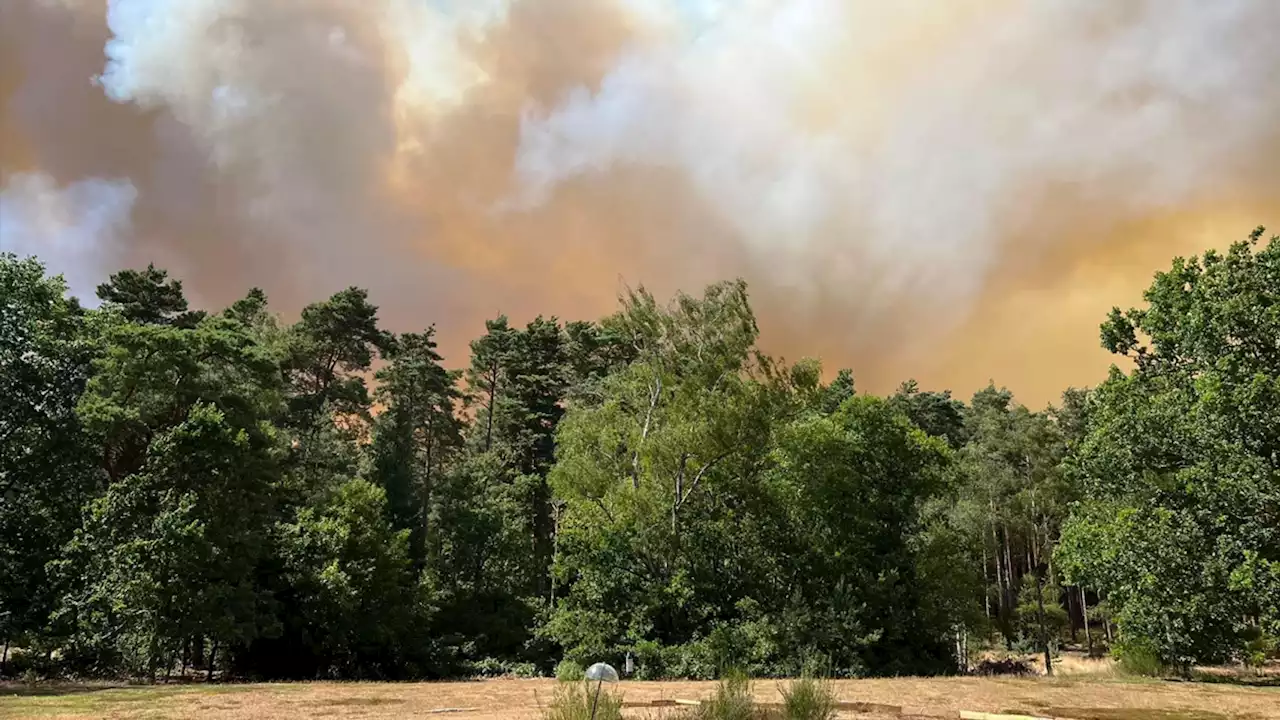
225	493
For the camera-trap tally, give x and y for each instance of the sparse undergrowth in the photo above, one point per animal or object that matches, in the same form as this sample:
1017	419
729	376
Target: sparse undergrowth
804	699
575	701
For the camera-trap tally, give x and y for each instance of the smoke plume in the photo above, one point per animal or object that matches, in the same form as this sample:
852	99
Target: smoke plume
954	190
73	229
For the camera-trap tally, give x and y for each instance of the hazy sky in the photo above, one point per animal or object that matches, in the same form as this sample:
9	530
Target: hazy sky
955	190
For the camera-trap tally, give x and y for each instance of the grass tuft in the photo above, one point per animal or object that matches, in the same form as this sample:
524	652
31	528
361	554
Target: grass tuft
808	699
732	701
573	701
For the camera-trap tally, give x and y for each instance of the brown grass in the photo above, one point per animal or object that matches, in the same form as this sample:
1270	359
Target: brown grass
1084	697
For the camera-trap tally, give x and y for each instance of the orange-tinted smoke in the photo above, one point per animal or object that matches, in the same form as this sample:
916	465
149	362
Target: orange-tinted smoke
333	171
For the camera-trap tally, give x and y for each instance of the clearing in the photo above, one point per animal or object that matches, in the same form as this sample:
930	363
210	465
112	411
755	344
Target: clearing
1080	698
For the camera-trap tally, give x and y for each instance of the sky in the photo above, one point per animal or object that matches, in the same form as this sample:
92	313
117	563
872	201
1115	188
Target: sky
951	190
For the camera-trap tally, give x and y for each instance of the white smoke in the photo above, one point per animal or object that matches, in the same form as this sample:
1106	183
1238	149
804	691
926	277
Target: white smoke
288	97
894	147
822	147
74	230
878	171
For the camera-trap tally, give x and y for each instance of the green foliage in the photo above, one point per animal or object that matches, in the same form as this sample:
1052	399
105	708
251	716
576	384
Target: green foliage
808	699
577	700
495	668
416	436
1140	657
646	475
936	413
147	297
328	350
1260	648
853	581
169	549
46	463
351	573
569	671
222	491
1011	497
1178	463
1033	611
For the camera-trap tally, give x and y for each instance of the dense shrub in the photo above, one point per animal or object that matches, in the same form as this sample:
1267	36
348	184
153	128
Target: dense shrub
1137	656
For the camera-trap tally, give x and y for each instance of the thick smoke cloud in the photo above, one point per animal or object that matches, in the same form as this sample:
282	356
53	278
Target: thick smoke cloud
950	189
74	229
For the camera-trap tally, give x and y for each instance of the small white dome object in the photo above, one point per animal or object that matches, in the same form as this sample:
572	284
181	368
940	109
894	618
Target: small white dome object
602	672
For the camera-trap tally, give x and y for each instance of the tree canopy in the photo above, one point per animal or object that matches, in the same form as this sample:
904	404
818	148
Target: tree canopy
229	493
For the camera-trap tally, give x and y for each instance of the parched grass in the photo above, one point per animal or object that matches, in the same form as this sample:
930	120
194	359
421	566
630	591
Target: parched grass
1082	696
1132	714
43	700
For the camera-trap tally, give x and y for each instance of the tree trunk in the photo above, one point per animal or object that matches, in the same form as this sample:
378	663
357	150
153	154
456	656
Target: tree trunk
1106	624
427	483
986	580
493	393
1048	560
4	659
1072	601
424	503
1000	582
555	548
1044	633
1010	598
152	659
213	656
1084	614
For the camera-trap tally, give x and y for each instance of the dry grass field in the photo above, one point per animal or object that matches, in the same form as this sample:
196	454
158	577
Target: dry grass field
1092	696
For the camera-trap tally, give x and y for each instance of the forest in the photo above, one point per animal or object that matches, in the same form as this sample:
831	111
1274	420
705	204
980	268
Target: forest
228	494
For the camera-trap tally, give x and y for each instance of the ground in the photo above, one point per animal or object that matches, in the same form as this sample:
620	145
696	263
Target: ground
1078	697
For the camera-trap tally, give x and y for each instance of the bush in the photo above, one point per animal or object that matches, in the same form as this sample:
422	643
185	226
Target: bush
732	701
650	660
1139	656
1259	648
808	699
492	667
1007	666
570	671
816	664
655	661
19	664
573	701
